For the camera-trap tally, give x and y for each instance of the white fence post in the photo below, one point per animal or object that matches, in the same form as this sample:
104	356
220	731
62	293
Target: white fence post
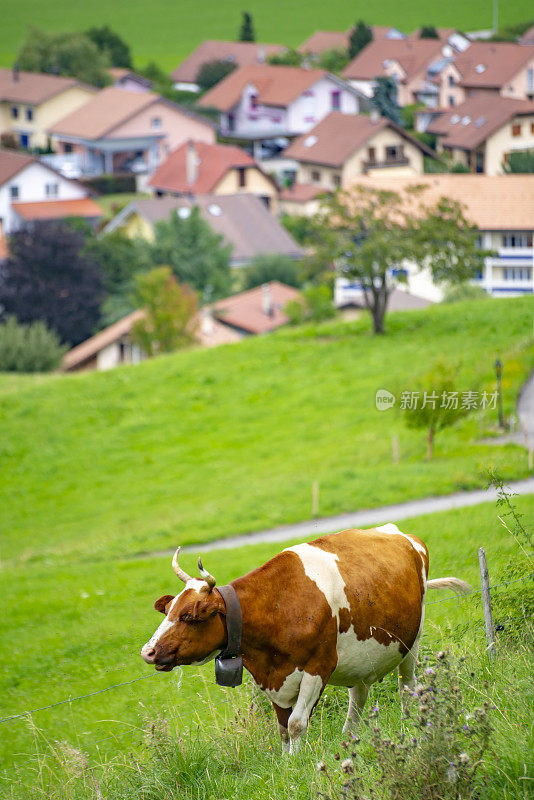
486	602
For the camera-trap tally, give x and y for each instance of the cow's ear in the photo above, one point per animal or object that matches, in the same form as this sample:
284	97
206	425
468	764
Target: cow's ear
162	603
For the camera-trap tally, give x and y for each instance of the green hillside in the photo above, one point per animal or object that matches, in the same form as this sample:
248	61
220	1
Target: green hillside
209	443
166	32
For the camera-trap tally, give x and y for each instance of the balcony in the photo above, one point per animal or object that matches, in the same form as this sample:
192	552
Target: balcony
403	161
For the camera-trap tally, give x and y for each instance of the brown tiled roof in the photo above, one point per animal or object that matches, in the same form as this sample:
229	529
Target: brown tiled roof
276	85
241	219
320	41
213	162
469	124
528	36
336	137
301	192
489	65
245	310
4	250
414	55
86	350
11	163
500	203
34	88
58	209
242	54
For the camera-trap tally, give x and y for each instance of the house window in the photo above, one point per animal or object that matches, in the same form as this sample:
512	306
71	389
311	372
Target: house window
242	176
516	130
517	240
315	176
516	273
336	180
14	112
451	80
29	114
451	100
253	100
532	127
394	153
336	100
14	192
371	155
51	190
67	148
155	122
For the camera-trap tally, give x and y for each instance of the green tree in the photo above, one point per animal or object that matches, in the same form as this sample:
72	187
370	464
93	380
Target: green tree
314	305
520	161
373	235
385	99
271	267
214	71
434	403
170	311
28	348
246	31
428	32
360	36
197	255
464	291
333	60
72	54
111	45
289	58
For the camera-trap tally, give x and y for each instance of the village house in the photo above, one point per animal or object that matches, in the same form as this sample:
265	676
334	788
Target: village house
482	132
241	219
120	130
30	190
30	102
301	199
321	41
495	68
501	208
199	168
263	102
407	61
124	78
239	54
344	146
251	313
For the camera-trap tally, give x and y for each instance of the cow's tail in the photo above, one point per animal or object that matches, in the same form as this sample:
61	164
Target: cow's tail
458	586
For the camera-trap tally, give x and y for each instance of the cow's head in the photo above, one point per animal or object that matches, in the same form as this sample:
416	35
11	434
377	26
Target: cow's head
194	628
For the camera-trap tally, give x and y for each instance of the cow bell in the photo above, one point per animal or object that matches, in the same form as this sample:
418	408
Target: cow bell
229	671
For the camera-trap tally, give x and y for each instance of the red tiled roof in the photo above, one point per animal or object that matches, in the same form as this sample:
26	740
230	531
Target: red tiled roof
82	352
469	124
103	112
58	209
213	162
276	85
12	163
245	310
489	65
34	88
414	56
242	54
320	41
301	192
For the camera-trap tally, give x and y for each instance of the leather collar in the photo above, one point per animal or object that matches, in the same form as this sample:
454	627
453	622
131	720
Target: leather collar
229	664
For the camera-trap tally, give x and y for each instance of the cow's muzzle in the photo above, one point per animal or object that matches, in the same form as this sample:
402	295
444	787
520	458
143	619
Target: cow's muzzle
163	663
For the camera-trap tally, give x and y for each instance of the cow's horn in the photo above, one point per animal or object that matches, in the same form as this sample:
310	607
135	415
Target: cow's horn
210	580
181	574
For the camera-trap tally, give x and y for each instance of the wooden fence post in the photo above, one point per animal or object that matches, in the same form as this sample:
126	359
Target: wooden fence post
486	602
315	499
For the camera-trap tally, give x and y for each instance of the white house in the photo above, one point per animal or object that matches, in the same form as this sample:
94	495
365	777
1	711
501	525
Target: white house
30	190
262	101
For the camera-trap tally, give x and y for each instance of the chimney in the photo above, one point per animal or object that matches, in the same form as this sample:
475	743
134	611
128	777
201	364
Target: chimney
207	325
266	300
374	115
191	162
261	58
15	72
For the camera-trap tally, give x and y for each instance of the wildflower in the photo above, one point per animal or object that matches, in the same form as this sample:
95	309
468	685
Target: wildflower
441	655
321	766
355	739
346	766
452	772
463	758
429	671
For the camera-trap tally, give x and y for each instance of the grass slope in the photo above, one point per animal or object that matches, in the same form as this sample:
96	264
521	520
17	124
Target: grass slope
76	628
208	443
172	30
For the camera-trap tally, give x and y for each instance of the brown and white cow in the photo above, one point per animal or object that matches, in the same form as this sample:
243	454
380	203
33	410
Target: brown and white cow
345	609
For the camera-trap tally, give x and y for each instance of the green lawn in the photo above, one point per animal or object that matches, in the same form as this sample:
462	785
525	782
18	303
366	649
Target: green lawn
76	628
209	443
167	32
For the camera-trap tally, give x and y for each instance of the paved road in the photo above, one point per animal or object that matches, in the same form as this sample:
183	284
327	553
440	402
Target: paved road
357	519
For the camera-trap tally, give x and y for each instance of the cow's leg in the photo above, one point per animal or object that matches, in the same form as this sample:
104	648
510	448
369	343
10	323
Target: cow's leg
407	669
311	688
282	715
357	697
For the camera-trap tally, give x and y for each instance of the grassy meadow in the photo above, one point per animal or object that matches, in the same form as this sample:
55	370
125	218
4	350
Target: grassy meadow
168	32
77	628
205	444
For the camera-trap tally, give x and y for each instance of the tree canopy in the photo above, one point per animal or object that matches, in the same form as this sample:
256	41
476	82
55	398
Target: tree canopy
385	99
198	256
271	267
360	36
214	71
72	54
170	311
111	45
246	31
49	276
